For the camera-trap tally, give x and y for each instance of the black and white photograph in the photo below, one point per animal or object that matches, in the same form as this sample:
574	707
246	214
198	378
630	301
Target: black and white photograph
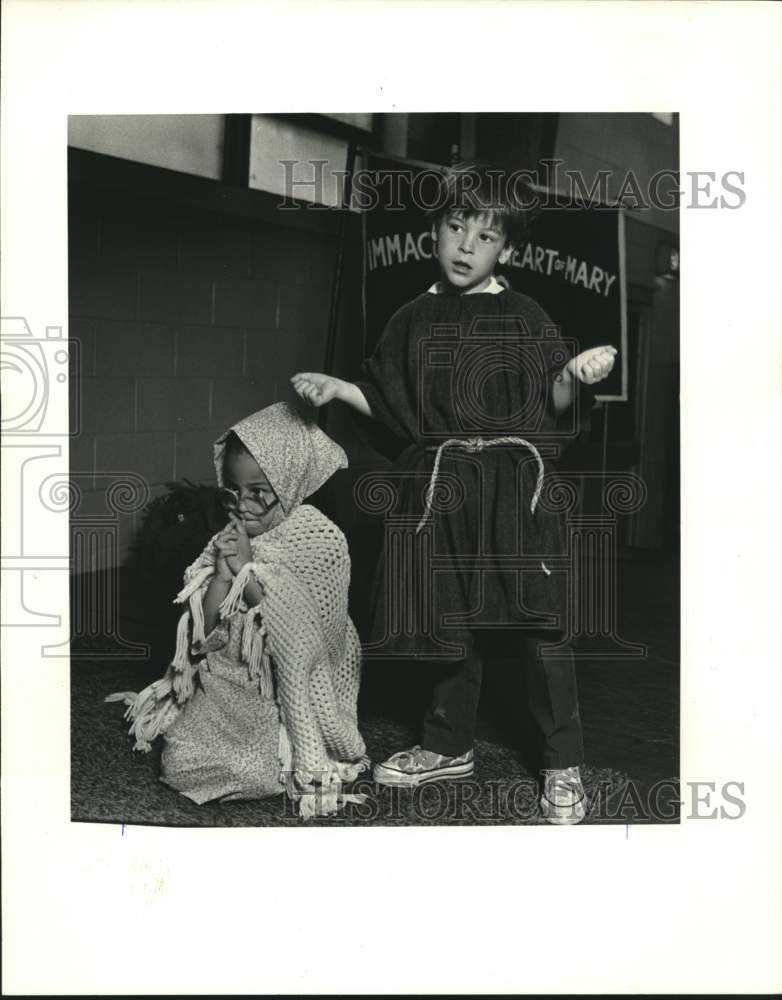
446	343
390	450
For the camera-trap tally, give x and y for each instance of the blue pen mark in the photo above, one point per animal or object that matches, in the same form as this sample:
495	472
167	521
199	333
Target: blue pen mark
123	830
627	831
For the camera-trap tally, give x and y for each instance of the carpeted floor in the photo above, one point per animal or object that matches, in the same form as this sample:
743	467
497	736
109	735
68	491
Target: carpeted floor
630	711
111	783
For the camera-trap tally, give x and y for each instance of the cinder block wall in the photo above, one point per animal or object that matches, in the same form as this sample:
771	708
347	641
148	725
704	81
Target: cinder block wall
187	320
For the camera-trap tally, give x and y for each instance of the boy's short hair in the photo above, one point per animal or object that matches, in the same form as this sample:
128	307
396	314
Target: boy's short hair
475	188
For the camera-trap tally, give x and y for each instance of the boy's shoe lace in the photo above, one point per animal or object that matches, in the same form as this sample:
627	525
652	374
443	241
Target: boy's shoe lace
563	799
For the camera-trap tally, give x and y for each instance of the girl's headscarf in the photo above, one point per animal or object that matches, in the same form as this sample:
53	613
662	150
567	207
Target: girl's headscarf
293	452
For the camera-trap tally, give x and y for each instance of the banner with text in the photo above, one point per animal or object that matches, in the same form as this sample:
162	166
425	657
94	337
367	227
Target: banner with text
572	264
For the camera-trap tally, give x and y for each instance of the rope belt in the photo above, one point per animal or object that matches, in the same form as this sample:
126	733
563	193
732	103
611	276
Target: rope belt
476	445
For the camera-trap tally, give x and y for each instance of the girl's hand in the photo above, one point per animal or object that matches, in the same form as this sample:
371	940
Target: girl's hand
225	547
316	389
239	542
233	549
593	365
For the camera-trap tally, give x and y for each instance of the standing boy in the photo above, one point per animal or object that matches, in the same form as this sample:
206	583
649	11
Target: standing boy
478	422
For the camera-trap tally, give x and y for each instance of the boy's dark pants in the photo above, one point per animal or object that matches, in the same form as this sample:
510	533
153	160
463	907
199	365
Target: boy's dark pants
449	724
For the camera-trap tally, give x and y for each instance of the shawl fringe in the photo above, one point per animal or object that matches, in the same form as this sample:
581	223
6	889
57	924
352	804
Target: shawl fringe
314	797
326	798
152	711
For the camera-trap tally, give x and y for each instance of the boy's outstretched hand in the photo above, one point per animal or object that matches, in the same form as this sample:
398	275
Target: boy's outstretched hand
316	389
593	365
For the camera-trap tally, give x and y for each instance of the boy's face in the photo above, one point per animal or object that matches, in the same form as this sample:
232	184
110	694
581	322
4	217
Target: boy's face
258	509
469	249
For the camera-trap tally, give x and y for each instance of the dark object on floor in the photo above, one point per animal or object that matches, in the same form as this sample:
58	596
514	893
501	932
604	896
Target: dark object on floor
175	528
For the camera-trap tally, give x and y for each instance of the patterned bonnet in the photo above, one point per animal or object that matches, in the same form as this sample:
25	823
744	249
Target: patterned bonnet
294	453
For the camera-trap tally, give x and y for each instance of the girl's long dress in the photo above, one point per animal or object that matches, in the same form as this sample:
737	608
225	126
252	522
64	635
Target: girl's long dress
466	366
267	702
225	743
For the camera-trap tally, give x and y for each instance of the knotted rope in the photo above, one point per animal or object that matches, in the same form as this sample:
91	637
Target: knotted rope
476	445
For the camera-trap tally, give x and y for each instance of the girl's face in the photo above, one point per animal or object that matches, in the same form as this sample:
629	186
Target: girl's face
258	507
469	249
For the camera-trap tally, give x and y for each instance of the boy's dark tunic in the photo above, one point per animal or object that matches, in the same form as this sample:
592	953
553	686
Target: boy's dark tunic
468	366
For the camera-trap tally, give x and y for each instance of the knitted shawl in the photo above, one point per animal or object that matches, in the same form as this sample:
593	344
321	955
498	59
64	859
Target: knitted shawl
298	641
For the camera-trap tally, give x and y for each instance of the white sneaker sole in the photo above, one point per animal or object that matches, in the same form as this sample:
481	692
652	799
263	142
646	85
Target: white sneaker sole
388	776
562	815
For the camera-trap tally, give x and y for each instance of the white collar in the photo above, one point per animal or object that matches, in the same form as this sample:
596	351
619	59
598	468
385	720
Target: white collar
493	288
